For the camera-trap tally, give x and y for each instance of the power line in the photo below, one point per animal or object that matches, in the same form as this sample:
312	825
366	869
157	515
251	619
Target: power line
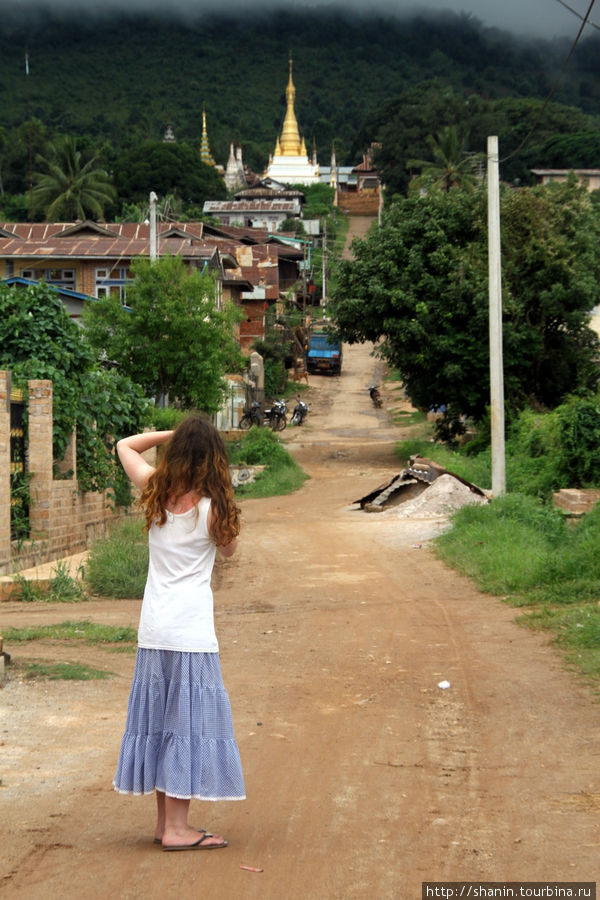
584	22
575	13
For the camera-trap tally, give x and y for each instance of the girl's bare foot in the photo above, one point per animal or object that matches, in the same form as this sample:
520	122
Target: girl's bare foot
191	838
159	836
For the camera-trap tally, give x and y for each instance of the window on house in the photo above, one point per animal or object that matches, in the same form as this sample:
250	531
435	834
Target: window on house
112	282
60	278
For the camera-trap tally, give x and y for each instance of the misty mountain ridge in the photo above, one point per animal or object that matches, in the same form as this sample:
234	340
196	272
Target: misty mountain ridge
120	76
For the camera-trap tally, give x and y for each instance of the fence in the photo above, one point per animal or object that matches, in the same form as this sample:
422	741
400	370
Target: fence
62	520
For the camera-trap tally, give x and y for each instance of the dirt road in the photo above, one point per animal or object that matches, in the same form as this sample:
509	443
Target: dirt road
364	778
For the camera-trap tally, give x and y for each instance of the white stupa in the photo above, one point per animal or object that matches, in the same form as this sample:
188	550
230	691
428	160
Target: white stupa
290	163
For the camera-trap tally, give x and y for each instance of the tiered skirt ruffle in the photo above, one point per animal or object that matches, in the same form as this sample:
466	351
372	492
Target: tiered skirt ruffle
179	735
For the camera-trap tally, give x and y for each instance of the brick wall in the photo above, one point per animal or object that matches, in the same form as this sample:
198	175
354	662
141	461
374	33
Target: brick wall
62	520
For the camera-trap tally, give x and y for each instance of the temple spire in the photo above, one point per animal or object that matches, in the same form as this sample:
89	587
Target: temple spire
290	143
205	154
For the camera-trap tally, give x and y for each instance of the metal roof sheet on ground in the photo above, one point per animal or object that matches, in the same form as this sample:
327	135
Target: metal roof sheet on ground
420	470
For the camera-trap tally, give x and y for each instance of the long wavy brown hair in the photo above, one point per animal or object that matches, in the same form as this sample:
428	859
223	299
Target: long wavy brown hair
194	459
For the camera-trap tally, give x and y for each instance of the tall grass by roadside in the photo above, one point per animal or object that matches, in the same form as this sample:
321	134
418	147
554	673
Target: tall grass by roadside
533	558
117	565
282	475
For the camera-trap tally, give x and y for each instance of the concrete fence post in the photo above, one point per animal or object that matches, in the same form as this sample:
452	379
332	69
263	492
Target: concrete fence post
40	457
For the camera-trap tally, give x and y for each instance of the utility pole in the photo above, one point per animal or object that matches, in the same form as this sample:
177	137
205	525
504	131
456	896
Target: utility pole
153	243
495	321
304	278
324	300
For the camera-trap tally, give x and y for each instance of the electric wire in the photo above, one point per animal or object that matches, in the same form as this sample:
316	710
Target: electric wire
584	22
575	13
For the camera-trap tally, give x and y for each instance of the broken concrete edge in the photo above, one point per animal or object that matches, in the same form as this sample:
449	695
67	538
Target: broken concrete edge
420	468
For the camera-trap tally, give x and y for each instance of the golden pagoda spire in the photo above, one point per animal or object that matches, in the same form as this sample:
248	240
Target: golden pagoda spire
290	137
205	153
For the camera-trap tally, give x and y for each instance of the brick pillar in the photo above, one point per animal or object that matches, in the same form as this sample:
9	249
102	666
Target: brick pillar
40	456
5	547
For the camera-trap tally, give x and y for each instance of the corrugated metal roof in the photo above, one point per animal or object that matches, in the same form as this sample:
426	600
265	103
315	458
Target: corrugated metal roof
234	206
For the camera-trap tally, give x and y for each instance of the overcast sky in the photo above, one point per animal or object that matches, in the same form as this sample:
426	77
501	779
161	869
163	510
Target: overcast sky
545	18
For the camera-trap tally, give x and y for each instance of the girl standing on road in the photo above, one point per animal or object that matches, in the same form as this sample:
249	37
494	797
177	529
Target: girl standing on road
179	738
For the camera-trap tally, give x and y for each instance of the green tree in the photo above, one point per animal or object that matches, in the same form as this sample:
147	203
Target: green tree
172	337
450	165
166	169
420	284
71	187
39	340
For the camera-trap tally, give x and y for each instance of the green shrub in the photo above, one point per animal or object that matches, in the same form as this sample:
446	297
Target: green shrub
508	546
117	565
167	418
260	447
579	434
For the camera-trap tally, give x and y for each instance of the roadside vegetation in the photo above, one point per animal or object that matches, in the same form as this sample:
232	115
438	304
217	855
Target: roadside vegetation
521	548
60	588
258	447
531	556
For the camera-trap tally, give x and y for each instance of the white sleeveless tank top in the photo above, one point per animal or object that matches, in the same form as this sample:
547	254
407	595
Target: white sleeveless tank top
177	610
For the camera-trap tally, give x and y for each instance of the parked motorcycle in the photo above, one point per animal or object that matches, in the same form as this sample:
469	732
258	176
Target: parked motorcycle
276	416
300	412
375	396
252	416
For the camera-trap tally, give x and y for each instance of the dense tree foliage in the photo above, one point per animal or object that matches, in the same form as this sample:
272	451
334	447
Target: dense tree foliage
416	75
39	340
171	337
119	77
168	169
404	127
420	284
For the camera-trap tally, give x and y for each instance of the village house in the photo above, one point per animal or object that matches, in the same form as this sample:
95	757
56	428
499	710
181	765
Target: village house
590	178
90	260
254	213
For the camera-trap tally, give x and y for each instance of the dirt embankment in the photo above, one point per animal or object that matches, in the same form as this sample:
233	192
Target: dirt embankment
364	777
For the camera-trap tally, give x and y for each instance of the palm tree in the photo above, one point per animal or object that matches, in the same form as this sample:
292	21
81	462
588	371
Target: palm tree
450	167
71	189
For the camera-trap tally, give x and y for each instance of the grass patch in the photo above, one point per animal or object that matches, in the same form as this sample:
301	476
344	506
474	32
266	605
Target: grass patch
117	565
71	632
527	553
260	447
408	417
61	671
61	588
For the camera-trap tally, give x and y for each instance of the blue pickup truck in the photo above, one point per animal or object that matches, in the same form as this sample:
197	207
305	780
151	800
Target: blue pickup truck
324	354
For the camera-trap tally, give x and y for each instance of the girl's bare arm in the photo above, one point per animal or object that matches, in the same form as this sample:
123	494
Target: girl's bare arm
130	451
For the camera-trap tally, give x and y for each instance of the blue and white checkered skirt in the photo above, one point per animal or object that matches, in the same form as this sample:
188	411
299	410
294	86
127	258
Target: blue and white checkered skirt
179	730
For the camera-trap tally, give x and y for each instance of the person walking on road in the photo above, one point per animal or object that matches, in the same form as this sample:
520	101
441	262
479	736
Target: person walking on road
179	739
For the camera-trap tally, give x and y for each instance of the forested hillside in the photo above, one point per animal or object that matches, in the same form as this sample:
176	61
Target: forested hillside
119	78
